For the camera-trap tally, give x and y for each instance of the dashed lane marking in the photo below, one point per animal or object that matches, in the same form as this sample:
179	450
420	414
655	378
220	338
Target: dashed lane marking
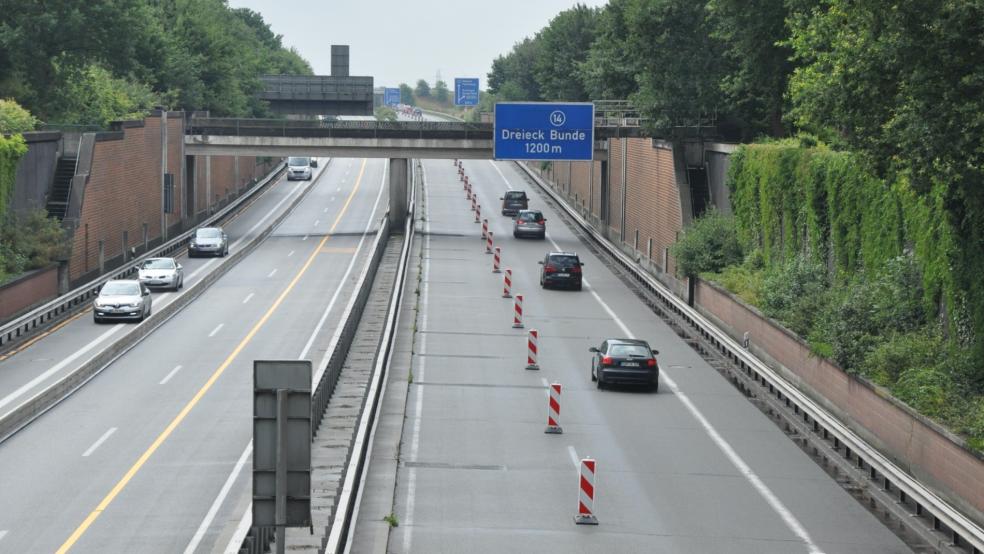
169	375
99	442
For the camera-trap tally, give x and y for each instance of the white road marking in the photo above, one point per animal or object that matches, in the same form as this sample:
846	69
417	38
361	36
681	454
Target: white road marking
305	237
339	189
297	187
418	405
332	200
169	375
546	387
99	442
216	330
316	222
202	268
60	365
3	534
501	174
236	541
291	253
217	503
326	209
272	273
574	459
345	277
248	298
788	518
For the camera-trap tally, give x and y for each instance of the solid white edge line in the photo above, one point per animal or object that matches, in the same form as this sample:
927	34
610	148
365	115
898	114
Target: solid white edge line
239	535
418	406
214	508
99	442
169	375
348	271
216	330
59	366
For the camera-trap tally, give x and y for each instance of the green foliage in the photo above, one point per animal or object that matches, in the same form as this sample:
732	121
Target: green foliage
406	95
392	520
441	93
888	360
11	150
14	118
384	113
794	293
30	241
513	77
708	245
423	89
745	280
563	47
125	55
928	390
610	68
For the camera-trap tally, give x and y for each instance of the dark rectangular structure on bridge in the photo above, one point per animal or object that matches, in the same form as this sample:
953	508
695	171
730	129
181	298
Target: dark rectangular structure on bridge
318	94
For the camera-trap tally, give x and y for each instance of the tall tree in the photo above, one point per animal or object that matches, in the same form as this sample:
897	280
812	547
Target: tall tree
611	67
563	46
406	94
441	93
512	77
423	89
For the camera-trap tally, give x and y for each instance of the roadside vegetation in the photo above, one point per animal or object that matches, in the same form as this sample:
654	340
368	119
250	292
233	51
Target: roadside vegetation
858	198
93	62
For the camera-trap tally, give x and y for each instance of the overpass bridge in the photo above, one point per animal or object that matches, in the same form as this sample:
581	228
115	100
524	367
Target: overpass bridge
211	136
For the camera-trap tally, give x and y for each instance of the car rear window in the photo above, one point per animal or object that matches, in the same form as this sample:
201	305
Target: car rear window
515	195
629	350
564	260
530	216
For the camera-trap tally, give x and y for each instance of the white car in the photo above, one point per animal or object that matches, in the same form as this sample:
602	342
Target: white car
161	273
125	299
299	168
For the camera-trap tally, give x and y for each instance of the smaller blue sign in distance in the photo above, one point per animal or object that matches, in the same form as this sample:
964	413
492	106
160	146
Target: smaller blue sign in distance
466	91
391	96
544	131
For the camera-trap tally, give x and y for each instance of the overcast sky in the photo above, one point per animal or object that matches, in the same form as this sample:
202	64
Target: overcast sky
401	42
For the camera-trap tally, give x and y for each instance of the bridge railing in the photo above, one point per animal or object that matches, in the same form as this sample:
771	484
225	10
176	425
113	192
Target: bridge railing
339	129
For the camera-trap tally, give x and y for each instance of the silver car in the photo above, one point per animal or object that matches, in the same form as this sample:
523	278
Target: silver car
164	273
123	299
210	241
530	223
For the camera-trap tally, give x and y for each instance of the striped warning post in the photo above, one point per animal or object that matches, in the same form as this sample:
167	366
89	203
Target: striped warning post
553	415
478	213
485	229
474	203
507	284
468	193
518	312
532	349
585	494
495	259
488	243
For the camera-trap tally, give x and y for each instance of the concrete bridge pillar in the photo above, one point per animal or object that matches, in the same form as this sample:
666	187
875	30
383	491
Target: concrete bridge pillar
399	188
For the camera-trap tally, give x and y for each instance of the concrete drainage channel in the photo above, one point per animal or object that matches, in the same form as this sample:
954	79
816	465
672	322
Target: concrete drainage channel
25	412
348	392
920	518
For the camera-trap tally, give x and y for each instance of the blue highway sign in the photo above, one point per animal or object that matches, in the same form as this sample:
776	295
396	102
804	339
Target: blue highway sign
391	96
544	131
466	92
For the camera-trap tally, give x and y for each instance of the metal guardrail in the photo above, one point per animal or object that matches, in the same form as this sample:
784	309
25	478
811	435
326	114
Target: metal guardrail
74	300
962	530
258	539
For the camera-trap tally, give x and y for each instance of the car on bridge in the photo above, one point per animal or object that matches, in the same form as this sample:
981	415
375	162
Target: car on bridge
209	241
561	269
122	299
530	223
161	273
625	361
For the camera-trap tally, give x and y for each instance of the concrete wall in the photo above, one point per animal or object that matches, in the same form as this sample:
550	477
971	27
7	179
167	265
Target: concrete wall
36	171
29	290
913	442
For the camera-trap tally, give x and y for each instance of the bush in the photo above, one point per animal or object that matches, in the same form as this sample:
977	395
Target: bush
888	360
928	390
974	428
30	241
14	118
795	293
708	245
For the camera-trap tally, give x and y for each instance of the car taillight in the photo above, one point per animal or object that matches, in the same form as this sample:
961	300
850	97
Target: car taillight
549	269
607	360
576	269
651	362
541	221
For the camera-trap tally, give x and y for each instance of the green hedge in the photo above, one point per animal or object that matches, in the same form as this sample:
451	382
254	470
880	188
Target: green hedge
11	150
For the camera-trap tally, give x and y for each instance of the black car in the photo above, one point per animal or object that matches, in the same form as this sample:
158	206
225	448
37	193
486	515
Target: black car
625	361
561	269
514	201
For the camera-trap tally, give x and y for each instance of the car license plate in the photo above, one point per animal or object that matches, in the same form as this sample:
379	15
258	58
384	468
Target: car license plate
630	364
563	275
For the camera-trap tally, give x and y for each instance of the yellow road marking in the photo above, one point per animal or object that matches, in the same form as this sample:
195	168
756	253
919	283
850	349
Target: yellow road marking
130	473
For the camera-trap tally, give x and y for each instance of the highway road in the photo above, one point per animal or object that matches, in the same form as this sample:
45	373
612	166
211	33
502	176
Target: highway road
693	468
153	455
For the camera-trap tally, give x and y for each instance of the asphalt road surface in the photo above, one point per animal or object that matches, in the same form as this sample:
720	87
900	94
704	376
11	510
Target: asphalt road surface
153	455
692	468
